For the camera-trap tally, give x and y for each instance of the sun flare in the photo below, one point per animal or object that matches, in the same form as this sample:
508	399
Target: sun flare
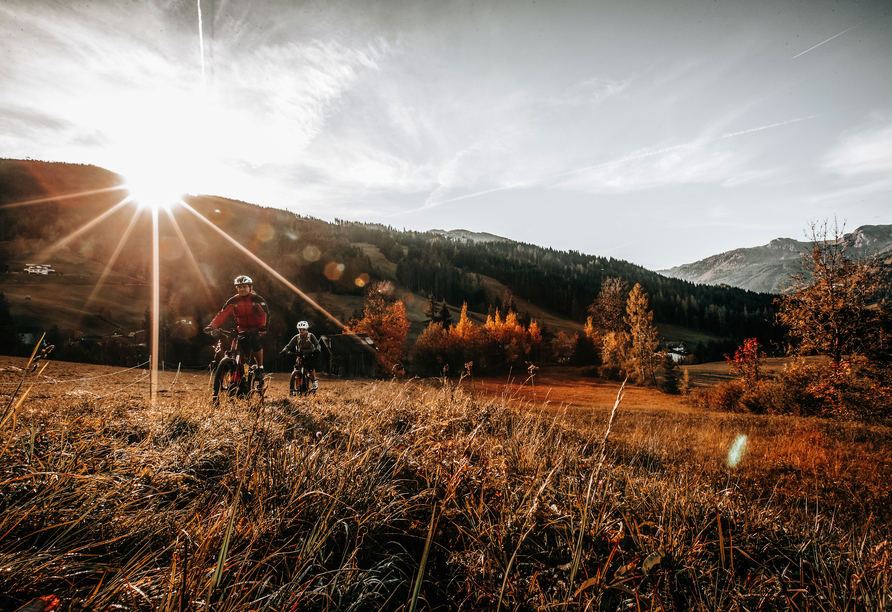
155	186
164	156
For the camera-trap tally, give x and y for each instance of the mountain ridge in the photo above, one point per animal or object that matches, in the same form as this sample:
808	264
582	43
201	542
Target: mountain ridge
770	267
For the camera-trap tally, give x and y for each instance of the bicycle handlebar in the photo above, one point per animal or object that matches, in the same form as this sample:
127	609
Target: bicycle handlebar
229	333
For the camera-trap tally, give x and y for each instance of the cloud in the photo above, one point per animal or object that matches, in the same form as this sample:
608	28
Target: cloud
275	100
643	170
867	152
483	162
590	92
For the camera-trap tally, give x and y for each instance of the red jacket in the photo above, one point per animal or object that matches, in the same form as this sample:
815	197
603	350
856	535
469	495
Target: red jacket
251	312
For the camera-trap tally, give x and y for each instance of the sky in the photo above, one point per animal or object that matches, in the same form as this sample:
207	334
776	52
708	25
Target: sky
657	132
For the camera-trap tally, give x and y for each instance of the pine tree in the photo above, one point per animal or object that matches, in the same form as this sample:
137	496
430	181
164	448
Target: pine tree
445	316
430	309
670	375
643	336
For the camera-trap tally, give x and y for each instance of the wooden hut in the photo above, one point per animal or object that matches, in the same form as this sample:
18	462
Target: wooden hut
348	355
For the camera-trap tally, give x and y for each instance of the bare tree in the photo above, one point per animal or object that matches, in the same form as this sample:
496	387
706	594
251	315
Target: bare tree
834	307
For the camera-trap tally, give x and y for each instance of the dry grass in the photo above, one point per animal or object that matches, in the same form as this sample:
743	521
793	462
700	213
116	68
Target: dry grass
414	496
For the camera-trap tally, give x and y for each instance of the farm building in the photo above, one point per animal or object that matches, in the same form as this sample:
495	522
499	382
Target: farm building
348	355
38	269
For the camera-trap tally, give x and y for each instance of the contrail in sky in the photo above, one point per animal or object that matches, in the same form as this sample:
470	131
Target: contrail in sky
617	162
765	127
201	43
826	41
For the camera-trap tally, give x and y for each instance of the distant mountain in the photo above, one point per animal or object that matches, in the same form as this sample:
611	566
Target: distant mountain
769	268
462	235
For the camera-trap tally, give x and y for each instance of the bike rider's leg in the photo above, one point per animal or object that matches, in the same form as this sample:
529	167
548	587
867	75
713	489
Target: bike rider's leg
258	357
312	377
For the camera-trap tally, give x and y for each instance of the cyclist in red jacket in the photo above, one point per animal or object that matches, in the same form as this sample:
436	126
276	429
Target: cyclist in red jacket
251	315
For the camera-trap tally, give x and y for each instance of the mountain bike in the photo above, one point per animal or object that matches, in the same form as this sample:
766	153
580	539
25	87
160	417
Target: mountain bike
233	376
300	381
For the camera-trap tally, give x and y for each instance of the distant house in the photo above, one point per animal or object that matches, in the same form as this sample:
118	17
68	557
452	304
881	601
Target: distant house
348	355
677	350
38	269
677	347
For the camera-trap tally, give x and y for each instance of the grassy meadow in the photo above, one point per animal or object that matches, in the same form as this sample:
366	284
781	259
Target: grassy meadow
428	494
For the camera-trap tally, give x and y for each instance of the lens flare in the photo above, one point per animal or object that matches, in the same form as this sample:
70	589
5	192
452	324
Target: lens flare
735	455
312	253
333	270
262	263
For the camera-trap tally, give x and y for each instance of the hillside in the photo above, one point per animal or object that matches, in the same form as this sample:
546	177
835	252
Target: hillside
768	268
91	235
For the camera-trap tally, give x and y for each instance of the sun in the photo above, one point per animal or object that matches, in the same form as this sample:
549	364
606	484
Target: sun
155	185
161	160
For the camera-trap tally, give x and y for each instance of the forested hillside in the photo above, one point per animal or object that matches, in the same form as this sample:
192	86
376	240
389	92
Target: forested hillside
327	257
563	282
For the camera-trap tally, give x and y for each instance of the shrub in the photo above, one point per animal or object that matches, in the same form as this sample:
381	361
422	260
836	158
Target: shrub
611	372
590	371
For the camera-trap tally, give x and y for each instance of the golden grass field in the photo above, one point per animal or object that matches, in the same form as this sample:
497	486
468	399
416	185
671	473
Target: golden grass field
479	494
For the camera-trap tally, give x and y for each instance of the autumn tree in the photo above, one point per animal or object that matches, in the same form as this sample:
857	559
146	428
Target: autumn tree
384	321
747	361
588	345
609	307
465	339
514	336
614	354
643	336
429	354
440	345
562	346
535	341
834	308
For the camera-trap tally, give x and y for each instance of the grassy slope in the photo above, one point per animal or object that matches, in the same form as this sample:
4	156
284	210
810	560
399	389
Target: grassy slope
330	500
62	299
677	333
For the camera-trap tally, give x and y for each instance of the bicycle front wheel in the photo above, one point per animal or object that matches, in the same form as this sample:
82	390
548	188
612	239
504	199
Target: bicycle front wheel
226	379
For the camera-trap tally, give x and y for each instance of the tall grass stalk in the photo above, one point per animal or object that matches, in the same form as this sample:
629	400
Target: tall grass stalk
577	553
416	590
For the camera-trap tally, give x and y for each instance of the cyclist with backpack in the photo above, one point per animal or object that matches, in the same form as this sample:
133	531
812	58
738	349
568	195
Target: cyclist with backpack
251	315
309	348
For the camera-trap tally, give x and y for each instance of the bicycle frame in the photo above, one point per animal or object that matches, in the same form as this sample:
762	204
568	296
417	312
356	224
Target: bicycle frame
299	384
239	375
233	352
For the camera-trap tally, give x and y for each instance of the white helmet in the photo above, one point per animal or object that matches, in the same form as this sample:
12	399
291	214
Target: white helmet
243	280
303	325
